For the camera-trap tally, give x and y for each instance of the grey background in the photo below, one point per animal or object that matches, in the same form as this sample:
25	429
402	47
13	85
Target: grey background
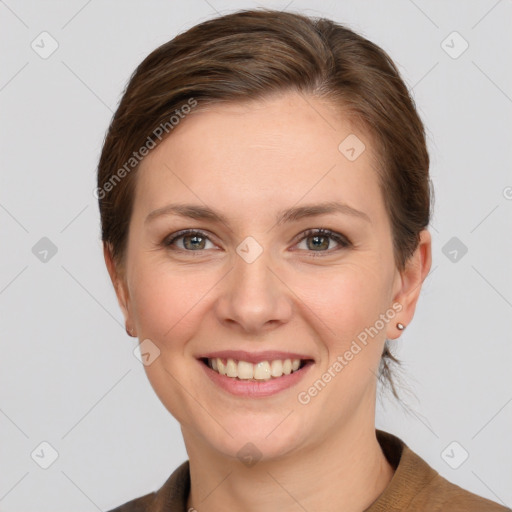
68	375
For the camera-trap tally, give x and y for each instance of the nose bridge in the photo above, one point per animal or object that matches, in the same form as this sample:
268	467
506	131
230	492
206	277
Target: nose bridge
253	296
253	277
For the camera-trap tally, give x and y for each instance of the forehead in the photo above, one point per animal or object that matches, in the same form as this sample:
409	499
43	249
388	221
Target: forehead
251	156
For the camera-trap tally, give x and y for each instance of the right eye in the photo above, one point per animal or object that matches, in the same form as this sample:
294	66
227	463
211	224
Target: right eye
191	241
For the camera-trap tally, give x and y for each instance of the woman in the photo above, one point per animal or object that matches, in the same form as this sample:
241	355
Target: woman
265	197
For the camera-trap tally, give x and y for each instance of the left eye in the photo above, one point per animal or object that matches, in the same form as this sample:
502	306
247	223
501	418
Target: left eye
321	238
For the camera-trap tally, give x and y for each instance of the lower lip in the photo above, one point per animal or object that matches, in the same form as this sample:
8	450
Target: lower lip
254	388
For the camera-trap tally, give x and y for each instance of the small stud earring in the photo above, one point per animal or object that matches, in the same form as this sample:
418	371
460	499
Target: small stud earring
400	326
129	332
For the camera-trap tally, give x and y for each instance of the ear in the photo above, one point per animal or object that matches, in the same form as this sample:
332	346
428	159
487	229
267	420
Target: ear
117	276
408	283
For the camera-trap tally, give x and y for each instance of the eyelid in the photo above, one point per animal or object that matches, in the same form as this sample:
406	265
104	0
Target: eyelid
170	239
339	238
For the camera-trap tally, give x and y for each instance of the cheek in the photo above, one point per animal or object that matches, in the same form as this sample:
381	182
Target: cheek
167	303
347	297
348	305
168	307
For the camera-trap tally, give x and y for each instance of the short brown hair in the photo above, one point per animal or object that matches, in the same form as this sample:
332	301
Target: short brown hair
250	55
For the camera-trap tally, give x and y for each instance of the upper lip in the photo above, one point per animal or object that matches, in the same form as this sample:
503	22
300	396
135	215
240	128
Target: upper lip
253	357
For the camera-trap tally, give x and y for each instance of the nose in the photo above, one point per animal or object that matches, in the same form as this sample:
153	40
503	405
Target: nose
254	298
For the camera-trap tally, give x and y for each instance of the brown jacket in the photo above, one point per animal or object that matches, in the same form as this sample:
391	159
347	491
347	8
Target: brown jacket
415	487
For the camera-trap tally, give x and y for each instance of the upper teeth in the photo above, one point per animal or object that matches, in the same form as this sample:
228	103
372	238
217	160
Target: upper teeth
261	371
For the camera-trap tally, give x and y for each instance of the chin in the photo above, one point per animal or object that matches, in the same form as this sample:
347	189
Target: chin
253	437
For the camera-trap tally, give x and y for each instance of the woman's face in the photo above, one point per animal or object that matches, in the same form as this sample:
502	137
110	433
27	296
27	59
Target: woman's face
260	284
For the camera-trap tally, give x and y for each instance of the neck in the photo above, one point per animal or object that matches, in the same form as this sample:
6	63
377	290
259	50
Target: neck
347	468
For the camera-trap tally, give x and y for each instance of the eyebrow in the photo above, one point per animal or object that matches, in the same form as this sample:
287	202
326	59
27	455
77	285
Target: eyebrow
293	214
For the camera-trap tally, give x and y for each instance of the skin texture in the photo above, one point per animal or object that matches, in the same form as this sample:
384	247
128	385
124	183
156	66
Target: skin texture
250	161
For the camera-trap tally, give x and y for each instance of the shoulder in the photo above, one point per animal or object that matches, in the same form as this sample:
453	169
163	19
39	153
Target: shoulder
441	495
141	504
418	487
172	496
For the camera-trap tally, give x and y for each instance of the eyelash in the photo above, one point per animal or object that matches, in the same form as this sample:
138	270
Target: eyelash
343	241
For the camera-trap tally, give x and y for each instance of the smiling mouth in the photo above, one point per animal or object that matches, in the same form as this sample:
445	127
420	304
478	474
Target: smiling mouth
261	371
